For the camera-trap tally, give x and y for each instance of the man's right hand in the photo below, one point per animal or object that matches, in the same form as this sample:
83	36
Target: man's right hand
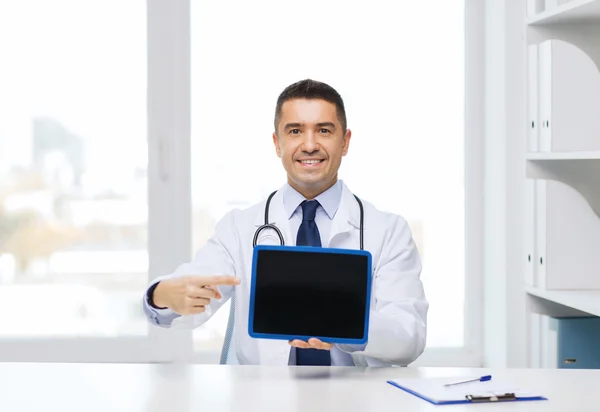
189	295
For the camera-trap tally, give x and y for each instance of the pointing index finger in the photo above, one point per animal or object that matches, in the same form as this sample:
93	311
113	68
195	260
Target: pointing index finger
217	280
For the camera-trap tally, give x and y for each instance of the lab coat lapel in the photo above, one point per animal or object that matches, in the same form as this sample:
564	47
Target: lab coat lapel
346	223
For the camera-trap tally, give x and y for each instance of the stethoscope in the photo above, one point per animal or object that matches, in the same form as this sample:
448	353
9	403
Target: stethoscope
267	225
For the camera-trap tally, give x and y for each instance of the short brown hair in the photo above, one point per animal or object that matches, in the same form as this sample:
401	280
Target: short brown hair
312	89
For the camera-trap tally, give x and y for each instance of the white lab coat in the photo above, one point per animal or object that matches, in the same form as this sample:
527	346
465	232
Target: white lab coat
397	325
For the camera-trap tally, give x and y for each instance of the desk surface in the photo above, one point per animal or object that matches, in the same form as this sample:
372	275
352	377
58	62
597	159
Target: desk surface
175	388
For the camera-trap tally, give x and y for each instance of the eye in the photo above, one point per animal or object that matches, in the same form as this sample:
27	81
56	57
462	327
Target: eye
325	131
295	131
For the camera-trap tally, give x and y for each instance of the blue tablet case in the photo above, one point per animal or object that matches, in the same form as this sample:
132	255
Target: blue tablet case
301	255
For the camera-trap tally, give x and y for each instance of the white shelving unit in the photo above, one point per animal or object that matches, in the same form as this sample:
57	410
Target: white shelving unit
574	11
562	154
565	303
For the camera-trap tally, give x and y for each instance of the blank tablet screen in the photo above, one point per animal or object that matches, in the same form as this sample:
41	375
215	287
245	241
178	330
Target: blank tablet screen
298	292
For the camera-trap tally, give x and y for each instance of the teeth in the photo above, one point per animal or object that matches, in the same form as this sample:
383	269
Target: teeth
310	162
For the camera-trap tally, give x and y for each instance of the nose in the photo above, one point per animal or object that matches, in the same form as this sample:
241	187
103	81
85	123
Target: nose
310	144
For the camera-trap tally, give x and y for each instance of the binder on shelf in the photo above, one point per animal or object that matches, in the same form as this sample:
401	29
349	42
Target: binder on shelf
549	342
569	343
533	125
434	391
567	238
544	62
535	340
578	340
540	233
529	257
569	98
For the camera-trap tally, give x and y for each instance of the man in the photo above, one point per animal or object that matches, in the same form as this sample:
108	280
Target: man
311	137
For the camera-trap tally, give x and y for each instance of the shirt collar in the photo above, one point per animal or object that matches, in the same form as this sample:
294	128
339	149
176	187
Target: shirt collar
329	199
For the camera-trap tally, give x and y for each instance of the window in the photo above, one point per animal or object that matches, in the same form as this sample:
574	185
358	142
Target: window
399	67
88	179
73	169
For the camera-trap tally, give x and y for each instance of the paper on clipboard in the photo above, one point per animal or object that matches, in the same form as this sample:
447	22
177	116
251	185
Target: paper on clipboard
434	391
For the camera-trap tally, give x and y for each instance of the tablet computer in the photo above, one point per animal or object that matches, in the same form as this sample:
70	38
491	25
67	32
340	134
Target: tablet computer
302	292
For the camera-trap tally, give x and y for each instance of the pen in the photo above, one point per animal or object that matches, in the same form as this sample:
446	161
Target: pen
482	379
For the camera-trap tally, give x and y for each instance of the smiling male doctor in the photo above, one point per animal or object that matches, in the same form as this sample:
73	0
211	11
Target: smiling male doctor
313	207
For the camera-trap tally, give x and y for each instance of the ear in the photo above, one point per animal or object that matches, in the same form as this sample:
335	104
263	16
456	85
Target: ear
346	145
276	143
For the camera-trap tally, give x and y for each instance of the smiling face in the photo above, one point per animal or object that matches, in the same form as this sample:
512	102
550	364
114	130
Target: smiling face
310	141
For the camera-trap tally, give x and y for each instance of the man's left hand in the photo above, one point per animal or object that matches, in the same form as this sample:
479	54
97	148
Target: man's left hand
313	343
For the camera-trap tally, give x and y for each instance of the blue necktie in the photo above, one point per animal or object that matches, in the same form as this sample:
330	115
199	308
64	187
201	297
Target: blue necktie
308	235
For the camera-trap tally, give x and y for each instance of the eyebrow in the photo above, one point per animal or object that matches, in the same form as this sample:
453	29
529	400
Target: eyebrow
292	126
326	124
298	125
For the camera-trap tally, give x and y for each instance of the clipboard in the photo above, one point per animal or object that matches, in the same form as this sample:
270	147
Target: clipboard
433	391
303	292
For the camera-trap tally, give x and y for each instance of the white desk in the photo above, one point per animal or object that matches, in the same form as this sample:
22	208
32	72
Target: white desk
172	388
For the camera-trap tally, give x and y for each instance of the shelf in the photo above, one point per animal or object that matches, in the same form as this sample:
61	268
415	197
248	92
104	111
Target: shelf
575	11
565	303
564	155
580	170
